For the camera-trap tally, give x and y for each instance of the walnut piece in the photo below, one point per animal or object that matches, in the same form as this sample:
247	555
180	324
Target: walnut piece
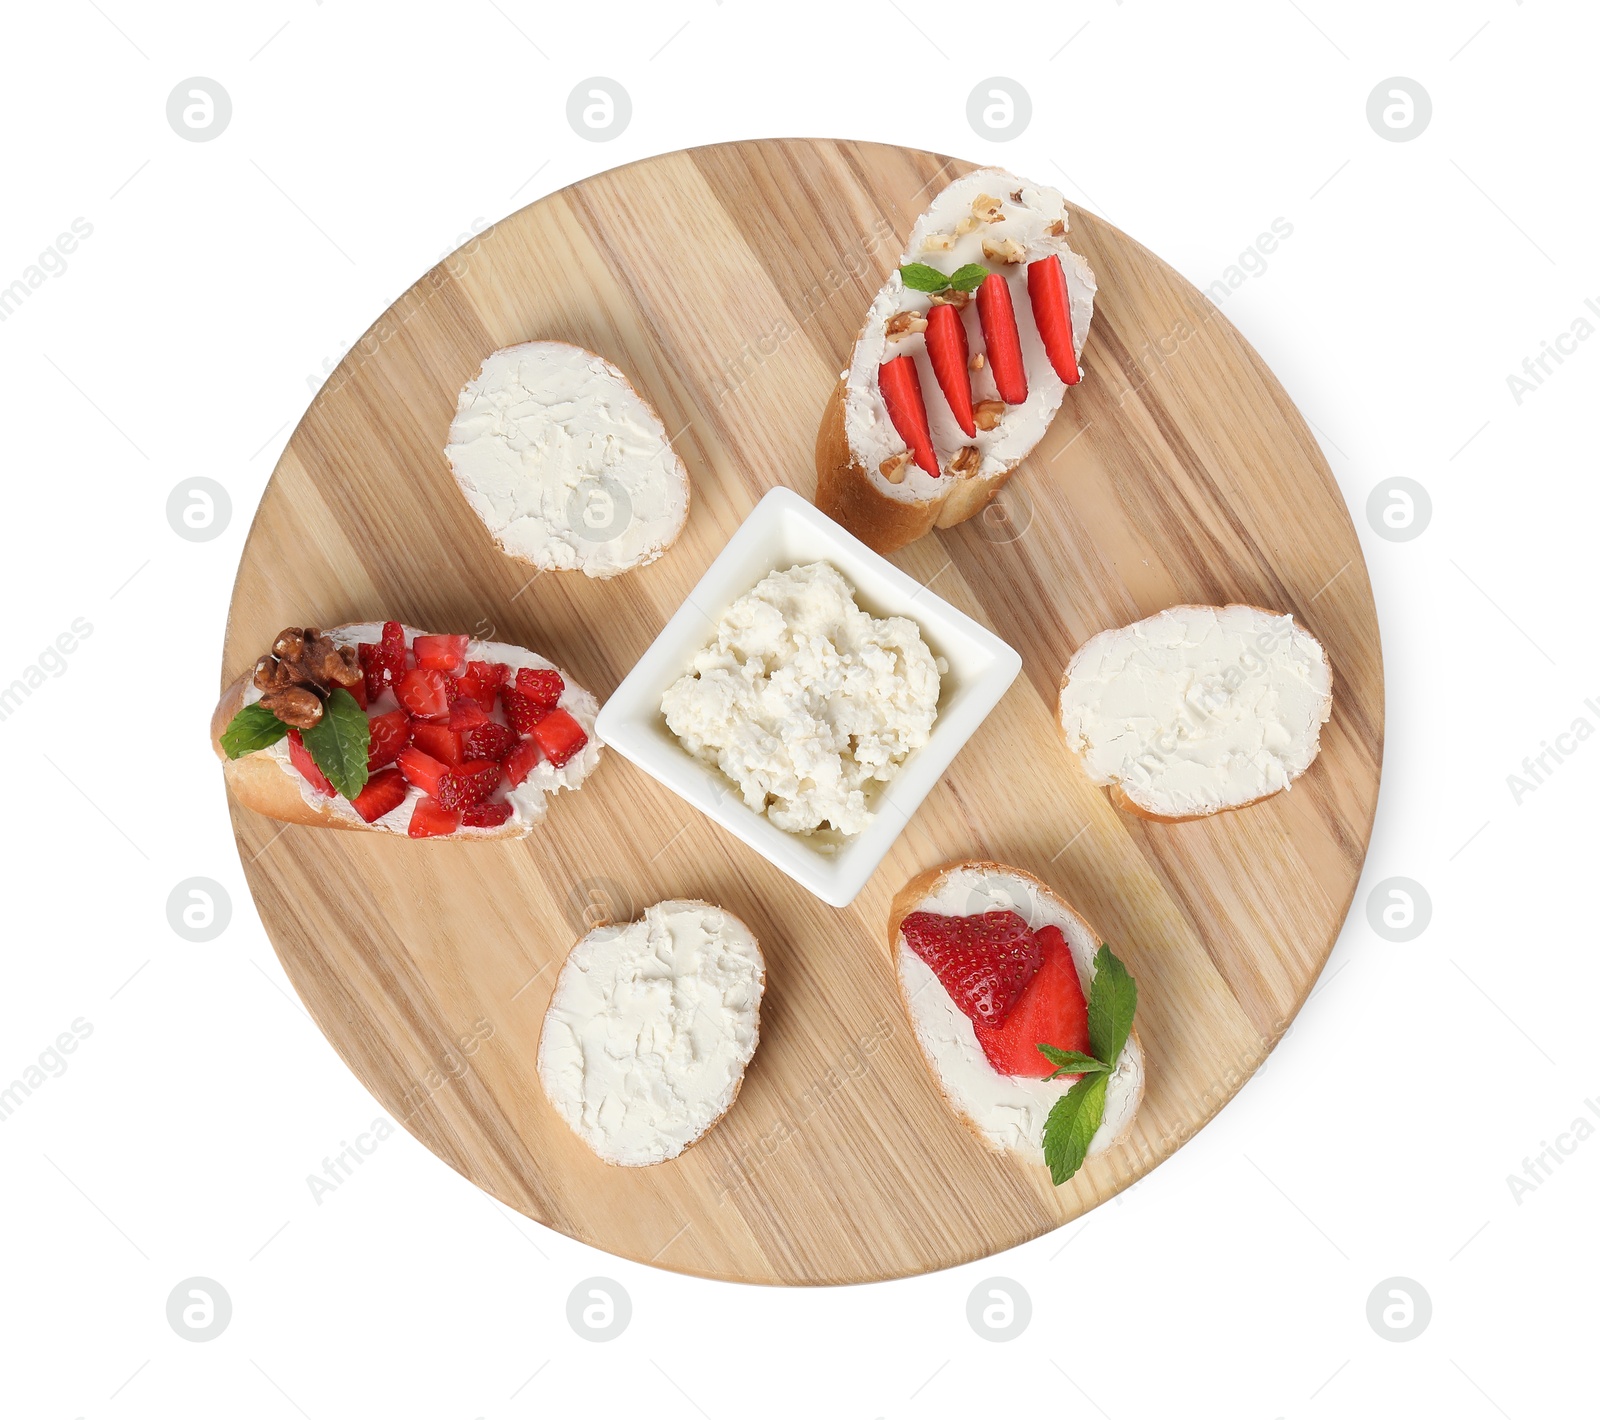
977	362
894	468
966	225
988	209
988	413
952	297
301	672
966	462
1058	228
1017	197
904	324
938	241
1006	249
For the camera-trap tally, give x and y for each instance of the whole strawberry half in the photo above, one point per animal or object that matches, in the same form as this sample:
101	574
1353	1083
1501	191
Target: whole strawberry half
985	962
1050	1011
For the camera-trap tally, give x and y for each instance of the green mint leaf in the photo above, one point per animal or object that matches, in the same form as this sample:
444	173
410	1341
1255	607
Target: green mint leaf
1071	1125
968	277
339	742
1070	1062
254	727
1113	997
923	278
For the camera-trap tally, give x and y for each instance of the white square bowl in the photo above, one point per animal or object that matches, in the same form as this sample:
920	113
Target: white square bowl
784	530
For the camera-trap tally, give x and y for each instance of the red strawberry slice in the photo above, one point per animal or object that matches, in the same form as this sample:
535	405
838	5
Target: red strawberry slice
485	815
390	733
421	769
542	687
985	961
1050	1011
358	691
1052	314
429	820
424	693
481	681
440	653
466	714
300	757
1001	342
522	712
560	737
470	784
489	740
902	396
383	661
518	765
947	352
437	741
385	792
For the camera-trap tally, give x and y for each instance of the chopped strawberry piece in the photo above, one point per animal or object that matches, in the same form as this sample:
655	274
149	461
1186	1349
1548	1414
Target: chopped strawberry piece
486	815
440	653
385	792
1050	1011
1002	344
300	757
423	693
429	820
542	687
519	763
358	691
984	961
1052	314
560	737
437	741
522	712
481	681
470	784
383	662
902	396
421	769
490	740
946	339
390	733
466	713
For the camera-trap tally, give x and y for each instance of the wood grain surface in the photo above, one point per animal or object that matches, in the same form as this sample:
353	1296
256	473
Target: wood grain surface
729	283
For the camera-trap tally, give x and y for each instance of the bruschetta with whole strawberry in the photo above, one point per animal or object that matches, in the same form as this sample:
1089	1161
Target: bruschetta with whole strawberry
1024	1015
967	353
380	726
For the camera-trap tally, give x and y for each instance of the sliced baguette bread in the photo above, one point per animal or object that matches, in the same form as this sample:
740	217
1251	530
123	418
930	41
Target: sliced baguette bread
1007	1113
1197	709
867	477
649	1030
565	462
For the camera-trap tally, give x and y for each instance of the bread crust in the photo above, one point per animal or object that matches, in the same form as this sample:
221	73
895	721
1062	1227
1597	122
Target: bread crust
657	550
755	1032
1119	796
923	886
258	783
847	494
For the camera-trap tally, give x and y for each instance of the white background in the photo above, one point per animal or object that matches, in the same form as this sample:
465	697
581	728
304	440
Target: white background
368	140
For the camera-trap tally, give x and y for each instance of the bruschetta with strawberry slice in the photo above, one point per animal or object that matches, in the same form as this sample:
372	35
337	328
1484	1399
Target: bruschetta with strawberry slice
966	356
380	726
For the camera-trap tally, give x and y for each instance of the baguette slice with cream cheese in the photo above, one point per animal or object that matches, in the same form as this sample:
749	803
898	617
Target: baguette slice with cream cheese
864	478
1197	709
649	1030
1006	1113
565	462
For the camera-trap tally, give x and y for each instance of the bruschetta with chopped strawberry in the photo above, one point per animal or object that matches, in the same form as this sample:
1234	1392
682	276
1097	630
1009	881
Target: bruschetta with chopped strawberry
380	726
967	354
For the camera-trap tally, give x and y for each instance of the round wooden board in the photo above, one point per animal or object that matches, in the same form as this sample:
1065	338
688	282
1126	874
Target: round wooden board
729	283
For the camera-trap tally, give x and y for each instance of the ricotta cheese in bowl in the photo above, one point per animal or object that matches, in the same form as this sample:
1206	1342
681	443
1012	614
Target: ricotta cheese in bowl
805	703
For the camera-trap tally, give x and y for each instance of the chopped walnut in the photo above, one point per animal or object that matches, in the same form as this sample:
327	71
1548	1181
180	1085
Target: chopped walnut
938	241
966	225
988	209
1058	228
953	297
894	469
1017	197
966	462
301	671
904	324
988	413
977	362
1007	249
